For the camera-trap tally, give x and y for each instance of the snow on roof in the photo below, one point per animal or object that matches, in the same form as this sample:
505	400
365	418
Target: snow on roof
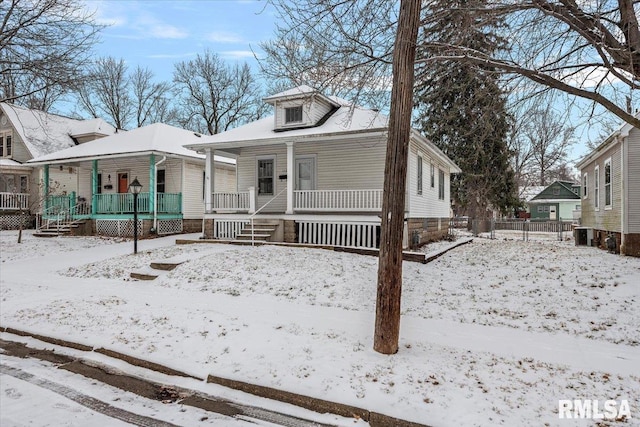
159	138
9	163
344	121
44	133
528	193
294	92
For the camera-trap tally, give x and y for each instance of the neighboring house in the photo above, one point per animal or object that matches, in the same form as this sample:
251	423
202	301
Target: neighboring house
314	172
611	190
26	134
172	178
525	194
560	200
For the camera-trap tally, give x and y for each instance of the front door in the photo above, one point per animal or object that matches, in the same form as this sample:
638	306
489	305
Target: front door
123	182
552	212
306	173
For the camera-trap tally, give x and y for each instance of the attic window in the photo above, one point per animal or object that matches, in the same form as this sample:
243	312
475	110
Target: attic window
293	114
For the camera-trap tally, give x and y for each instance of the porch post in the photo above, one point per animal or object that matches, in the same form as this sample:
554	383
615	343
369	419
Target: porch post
152	183
291	155
45	187
252	200
94	187
208	179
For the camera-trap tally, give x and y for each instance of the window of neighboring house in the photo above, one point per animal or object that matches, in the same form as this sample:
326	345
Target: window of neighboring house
556	191
585	182
266	176
440	184
596	187
160	181
419	165
433	176
607	183
540	209
99	184
1	145
293	114
578	207
24	184
5	144
546	208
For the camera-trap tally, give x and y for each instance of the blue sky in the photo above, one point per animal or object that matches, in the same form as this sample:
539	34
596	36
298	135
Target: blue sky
158	33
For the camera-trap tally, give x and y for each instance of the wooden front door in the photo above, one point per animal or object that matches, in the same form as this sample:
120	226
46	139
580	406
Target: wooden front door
123	182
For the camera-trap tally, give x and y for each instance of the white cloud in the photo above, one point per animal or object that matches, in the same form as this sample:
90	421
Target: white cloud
171	55
223	37
236	54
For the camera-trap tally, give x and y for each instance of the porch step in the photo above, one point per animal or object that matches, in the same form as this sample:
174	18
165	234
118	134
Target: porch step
256	236
54	231
142	276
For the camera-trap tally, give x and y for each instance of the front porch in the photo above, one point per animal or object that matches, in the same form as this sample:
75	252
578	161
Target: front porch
114	205
14	202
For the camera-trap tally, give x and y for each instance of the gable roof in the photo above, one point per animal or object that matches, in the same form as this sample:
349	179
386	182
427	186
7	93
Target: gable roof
302	91
623	131
157	138
43	133
557	191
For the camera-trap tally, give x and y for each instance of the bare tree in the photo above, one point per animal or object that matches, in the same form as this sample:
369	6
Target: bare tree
106	92
549	140
152	100
214	96
43	46
387	327
585	49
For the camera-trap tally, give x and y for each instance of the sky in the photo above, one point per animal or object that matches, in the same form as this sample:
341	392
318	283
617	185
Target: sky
158	34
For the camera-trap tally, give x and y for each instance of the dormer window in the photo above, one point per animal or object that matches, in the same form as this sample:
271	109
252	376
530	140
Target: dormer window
293	114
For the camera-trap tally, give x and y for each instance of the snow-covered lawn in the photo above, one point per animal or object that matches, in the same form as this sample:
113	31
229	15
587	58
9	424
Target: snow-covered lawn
493	332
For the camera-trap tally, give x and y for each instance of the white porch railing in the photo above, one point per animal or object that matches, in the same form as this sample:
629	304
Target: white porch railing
337	200
14	201
230	201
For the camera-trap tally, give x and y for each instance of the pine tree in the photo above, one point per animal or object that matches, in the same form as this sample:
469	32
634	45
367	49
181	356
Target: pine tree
462	108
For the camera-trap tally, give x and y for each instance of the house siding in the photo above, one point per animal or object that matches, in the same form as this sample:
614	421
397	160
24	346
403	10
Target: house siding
246	169
427	204
604	219
312	112
192	201
632	174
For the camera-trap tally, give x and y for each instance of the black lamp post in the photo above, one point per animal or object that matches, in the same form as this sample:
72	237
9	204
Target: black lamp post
135	188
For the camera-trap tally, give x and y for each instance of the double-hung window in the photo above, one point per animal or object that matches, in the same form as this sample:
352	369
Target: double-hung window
596	188
607	184
440	184
6	144
585	183
419	166
266	169
293	114
433	176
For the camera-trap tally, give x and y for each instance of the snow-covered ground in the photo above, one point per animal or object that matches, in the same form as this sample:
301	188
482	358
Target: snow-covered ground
494	332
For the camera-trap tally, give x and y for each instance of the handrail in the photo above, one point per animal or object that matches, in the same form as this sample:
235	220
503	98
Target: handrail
258	211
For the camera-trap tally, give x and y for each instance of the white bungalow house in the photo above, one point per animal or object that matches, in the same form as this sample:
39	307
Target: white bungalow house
25	134
611	190
172	178
314	172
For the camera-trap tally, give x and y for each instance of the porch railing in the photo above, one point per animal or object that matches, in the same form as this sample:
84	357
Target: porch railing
121	203
337	200
230	201
14	201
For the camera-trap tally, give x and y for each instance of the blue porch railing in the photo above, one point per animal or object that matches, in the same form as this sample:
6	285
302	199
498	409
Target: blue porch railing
116	204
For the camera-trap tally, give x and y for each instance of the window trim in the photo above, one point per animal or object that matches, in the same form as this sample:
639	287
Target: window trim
608	187
585	185
441	180
596	187
433	175
6	144
273	176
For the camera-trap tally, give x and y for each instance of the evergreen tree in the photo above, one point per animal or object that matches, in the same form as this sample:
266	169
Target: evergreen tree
462	108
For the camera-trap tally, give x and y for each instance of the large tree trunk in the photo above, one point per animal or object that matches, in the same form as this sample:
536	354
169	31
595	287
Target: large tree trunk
387	329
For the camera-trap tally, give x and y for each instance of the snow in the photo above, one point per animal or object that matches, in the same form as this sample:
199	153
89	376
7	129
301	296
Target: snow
494	332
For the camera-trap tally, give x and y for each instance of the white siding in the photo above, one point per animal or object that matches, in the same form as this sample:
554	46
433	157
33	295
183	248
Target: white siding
427	204
632	174
246	169
63	181
312	112
225	178
192	201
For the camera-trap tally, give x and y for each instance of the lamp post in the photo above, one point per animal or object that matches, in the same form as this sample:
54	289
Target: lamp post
135	188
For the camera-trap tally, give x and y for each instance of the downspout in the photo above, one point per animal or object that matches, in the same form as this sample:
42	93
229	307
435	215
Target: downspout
155	193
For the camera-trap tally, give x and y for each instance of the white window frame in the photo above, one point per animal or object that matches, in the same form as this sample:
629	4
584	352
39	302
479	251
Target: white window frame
585	185
419	174
433	176
608	188
596	187
441	187
293	109
273	176
7	149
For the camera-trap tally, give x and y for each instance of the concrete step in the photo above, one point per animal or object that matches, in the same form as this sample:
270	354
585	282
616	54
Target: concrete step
142	276
164	265
256	236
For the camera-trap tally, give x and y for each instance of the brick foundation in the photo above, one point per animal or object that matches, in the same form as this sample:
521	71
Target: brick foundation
191	225
290	231
427	230
631	245
208	228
